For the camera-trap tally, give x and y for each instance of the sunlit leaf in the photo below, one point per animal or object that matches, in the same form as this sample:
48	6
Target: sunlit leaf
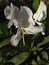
47	63
40	61
48	2
4	42
39	49
45	55
18	59
34	48
32	44
0	1
45	41
35	4
34	62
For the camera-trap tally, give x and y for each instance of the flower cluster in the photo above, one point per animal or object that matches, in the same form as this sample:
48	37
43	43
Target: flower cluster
25	20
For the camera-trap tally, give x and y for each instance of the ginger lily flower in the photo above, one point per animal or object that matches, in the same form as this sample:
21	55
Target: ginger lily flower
24	20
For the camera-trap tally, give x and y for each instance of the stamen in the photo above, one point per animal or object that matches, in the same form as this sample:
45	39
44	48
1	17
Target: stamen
23	36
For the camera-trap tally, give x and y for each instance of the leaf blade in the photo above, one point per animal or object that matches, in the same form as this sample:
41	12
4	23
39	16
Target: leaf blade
19	58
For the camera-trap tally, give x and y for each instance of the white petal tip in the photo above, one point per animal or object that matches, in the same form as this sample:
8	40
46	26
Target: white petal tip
43	33
13	45
11	4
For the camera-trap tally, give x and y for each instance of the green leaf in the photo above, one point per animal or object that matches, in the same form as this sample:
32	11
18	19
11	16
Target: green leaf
45	41
35	4
39	49
45	55
32	44
48	2
4	31
34	62
0	1
34	48
0	58
47	63
1	33
18	59
40	61
4	42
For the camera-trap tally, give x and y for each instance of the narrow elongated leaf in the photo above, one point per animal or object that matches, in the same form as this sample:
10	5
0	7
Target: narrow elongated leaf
34	48
0	58
32	44
18	59
40	61
4	42
47	2
1	33
35	4
39	49
0	1
4	32
45	55
47	63
45	41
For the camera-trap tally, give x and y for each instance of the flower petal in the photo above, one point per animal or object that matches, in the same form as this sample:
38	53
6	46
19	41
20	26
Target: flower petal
41	13
30	13
10	23
27	14
31	21
11	4
21	16
35	29
15	39
15	23
7	12
16	13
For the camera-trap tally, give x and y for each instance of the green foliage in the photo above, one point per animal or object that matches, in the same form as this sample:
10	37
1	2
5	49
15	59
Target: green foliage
41	62
4	42
35	4
45	55
4	31
48	2
0	1
45	41
18	59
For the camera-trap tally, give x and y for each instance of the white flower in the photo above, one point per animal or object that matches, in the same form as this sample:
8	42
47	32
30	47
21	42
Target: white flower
24	20
41	13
